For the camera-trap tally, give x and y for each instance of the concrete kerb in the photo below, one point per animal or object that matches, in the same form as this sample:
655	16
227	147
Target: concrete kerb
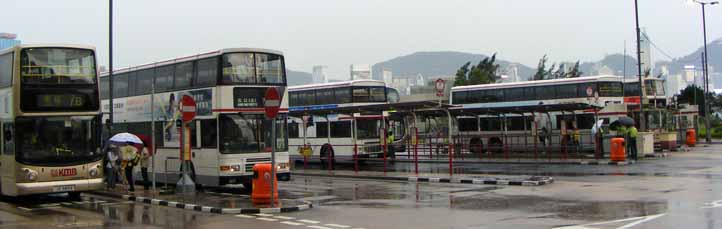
207	209
511	161
532	181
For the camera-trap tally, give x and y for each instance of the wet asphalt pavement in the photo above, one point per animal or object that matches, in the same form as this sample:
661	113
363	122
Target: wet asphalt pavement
681	191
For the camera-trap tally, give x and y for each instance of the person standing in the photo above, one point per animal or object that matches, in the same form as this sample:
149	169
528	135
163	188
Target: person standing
111	167
129	154
144	158
632	146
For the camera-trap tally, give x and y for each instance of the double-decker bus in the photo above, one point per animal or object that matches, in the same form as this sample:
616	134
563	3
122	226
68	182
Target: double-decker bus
344	131
49	118
229	134
605	91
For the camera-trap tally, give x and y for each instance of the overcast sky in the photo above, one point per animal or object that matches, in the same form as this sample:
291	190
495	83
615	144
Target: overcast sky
338	33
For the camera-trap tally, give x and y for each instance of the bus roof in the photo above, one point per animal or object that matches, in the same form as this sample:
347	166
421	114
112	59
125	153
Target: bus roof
333	85
192	57
540	82
59	45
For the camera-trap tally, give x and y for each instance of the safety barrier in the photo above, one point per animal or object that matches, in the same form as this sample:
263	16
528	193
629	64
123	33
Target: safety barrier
460	148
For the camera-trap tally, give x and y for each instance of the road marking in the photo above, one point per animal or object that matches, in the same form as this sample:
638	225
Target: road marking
264	215
25	209
292	223
713	204
245	216
267	219
309	221
647	218
319	227
337	225
284	217
636	221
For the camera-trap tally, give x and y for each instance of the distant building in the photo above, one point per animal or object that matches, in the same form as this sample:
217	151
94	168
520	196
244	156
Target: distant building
8	40
645	52
360	71
510	74
388	76
319	74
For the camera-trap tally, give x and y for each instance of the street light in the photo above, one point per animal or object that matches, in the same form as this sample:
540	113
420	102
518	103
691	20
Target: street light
642	116
702	4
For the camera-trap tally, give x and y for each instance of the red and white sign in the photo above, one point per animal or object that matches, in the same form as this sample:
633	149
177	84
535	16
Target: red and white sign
440	85
63	172
271	102
188	108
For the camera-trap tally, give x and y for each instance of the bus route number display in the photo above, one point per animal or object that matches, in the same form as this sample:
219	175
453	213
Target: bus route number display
248	97
59	101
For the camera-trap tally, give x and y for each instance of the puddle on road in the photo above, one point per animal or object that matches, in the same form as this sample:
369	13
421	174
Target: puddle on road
567	209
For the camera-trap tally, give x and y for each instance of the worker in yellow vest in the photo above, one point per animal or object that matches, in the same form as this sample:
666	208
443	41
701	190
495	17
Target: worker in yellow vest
632	146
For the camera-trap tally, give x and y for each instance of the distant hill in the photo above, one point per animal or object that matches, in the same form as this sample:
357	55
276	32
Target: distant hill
295	78
714	54
436	63
615	62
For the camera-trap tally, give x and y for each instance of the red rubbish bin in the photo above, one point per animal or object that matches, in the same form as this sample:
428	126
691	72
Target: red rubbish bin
261	190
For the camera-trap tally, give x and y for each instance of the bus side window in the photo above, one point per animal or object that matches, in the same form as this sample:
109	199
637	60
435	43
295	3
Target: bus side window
209	133
8	138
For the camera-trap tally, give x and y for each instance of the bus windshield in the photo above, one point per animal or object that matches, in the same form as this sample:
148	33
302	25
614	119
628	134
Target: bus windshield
56	140
252	68
57	66
367	128
250	134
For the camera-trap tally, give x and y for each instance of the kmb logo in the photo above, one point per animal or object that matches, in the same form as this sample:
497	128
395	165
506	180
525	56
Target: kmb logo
63	172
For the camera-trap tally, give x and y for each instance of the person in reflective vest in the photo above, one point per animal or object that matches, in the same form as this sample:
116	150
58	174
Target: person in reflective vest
632	146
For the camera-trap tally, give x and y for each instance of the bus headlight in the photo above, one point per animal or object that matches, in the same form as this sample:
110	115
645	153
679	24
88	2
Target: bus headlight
93	172
30	174
235	168
281	166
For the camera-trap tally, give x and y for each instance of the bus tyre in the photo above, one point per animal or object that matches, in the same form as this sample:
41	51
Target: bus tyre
327	150
496	145
476	145
74	195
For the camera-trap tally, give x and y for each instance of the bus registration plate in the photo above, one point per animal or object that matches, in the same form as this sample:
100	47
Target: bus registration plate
64	188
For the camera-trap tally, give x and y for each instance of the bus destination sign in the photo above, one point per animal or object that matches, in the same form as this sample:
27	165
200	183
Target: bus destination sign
248	97
59	101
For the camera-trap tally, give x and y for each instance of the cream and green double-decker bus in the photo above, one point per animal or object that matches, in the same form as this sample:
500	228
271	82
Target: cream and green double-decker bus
49	116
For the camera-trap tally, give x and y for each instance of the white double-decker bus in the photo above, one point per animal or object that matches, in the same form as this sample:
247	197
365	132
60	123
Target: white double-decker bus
344	131
229	134
487	130
50	120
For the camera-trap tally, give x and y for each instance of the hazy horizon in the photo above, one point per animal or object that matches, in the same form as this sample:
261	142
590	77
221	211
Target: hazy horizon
340	33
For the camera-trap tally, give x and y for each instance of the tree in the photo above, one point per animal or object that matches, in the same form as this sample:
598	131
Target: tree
692	92
461	75
574	72
540	69
482	73
549	74
560	73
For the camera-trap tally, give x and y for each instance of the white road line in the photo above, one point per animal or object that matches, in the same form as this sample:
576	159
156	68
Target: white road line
308	221
25	209
284	217
648	218
292	223
337	225
319	227
267	219
245	216
264	215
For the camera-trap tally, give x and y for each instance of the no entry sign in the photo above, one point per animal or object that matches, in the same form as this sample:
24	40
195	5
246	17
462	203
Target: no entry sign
271	103
188	108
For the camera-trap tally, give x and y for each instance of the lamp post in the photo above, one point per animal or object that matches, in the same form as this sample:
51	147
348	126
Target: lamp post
110	64
642	117
708	135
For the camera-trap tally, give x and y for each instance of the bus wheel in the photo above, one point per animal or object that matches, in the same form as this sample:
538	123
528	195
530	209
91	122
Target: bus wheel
476	145
74	195
327	150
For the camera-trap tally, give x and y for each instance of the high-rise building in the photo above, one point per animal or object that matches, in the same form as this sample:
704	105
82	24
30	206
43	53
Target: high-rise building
360	71
645	52
319	74
8	40
388	76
